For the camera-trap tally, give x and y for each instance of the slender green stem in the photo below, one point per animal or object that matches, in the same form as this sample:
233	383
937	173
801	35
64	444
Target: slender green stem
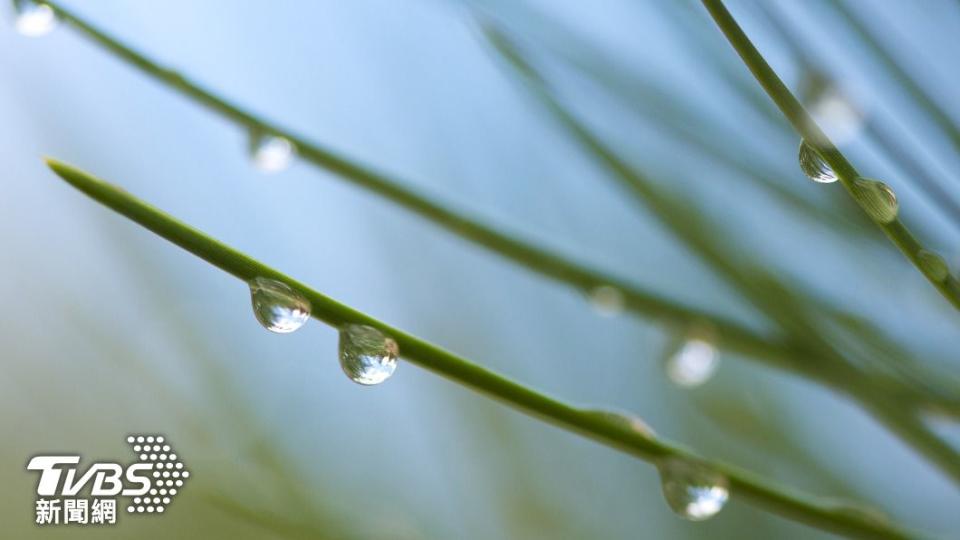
600	427
895	230
580	276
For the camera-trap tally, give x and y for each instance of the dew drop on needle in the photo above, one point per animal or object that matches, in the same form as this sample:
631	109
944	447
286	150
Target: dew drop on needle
277	306
814	166
606	300
876	199
367	355
693	363
692	490
271	153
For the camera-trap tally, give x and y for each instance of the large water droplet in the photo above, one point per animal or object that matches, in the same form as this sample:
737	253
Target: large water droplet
34	18
694	362
367	356
876	199
933	265
607	300
814	166
278	307
271	153
692	490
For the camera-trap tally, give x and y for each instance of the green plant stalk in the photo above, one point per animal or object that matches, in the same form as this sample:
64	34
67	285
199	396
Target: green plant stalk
600	427
896	231
734	336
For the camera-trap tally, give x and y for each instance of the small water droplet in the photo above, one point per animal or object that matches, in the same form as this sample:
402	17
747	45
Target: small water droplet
631	421
607	300
857	511
933	265
832	108
271	153
692	490
694	362
34	18
278	307
814	166
367	356
876	199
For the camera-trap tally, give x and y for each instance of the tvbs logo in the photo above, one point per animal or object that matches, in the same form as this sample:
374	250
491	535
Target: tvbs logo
148	485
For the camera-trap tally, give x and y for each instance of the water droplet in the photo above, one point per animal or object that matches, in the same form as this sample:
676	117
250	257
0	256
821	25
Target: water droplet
607	300
694	362
814	166
876	199
631	421
271	153
34	18
694	491
367	356
933	265
278	307
857	511
832	108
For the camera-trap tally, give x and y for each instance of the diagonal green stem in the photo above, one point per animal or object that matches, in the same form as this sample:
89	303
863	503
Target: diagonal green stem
600	427
735	337
895	230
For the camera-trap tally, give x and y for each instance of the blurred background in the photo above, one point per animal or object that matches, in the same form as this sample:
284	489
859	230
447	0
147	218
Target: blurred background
108	329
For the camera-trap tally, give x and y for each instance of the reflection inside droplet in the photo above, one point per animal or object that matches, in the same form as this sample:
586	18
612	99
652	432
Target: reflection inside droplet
693	491
814	166
278	307
367	355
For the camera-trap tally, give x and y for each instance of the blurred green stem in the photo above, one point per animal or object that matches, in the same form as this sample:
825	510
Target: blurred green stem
811	132
600	427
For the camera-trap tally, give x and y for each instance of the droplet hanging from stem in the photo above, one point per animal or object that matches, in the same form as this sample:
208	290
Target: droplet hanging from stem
367	355
278	307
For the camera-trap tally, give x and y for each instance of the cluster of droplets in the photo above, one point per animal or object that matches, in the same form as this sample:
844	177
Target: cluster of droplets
367	355
34	18
168	473
271	153
692	360
874	197
692	490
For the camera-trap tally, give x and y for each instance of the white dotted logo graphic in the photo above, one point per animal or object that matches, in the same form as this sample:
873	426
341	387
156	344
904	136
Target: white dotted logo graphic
167	477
